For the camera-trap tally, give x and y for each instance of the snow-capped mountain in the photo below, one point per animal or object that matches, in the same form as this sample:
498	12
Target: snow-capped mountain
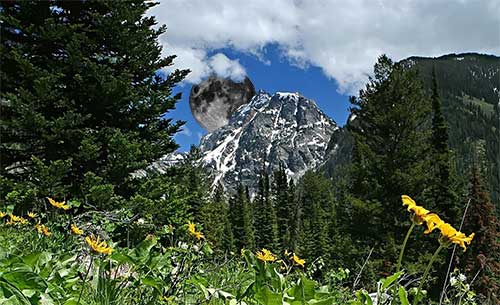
284	127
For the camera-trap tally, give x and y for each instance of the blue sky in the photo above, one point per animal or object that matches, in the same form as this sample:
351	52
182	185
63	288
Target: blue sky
274	74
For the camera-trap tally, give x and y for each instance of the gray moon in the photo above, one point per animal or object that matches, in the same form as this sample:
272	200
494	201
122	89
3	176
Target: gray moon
214	100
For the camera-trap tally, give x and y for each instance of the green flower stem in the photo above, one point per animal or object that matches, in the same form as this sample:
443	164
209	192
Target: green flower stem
85	279
400	259
426	273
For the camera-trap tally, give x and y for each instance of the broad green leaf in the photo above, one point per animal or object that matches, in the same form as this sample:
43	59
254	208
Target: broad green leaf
152	282
266	297
31	259
25	280
390	279
122	258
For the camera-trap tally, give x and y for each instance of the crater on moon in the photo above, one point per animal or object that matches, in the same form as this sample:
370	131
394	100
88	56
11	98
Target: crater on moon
214	100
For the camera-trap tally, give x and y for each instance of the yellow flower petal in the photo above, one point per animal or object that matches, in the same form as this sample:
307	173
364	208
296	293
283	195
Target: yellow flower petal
98	246
266	256
298	260
408	201
433	222
75	230
59	205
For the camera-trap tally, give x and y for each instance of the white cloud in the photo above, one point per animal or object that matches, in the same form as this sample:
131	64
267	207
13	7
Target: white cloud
202	65
343	38
223	66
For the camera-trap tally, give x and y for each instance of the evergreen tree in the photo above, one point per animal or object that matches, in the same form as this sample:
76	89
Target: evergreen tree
215	221
294	221
80	86
284	207
442	195
240	215
483	255
195	178
265	223
315	204
391	153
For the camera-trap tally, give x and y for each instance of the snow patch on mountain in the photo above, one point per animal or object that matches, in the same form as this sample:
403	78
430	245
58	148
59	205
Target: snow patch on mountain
284	128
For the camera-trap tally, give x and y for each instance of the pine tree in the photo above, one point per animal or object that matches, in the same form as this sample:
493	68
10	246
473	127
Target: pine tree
294	221
315	204
391	152
80	85
195	178
284	207
265	223
483	255
240	216
215	221
443	198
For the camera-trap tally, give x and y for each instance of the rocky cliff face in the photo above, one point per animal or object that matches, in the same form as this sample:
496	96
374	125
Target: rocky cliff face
284	127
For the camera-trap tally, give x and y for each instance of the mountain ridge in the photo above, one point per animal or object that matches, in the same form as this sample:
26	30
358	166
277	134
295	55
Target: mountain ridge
284	128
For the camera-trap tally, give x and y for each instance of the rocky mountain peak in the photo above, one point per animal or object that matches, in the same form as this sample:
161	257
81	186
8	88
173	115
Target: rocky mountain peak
284	128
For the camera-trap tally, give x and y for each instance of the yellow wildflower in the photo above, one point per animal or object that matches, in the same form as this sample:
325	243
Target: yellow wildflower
287	253
14	220
46	231
59	205
298	260
408	201
418	211
75	230
266	256
32	215
198	235
192	230
39	227
433	222
42	229
450	234
97	245
2	214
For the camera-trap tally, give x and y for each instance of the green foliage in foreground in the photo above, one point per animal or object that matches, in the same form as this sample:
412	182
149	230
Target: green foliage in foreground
171	267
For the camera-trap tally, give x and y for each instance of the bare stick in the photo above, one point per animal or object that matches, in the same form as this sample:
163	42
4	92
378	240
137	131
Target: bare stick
362	267
443	291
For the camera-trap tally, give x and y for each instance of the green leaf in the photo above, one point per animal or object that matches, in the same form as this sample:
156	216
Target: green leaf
152	282
25	280
364	297
390	279
403	296
31	259
122	258
266	297
16	296
308	287
328	301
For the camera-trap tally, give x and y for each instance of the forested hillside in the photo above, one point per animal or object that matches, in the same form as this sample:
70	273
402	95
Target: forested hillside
469	85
